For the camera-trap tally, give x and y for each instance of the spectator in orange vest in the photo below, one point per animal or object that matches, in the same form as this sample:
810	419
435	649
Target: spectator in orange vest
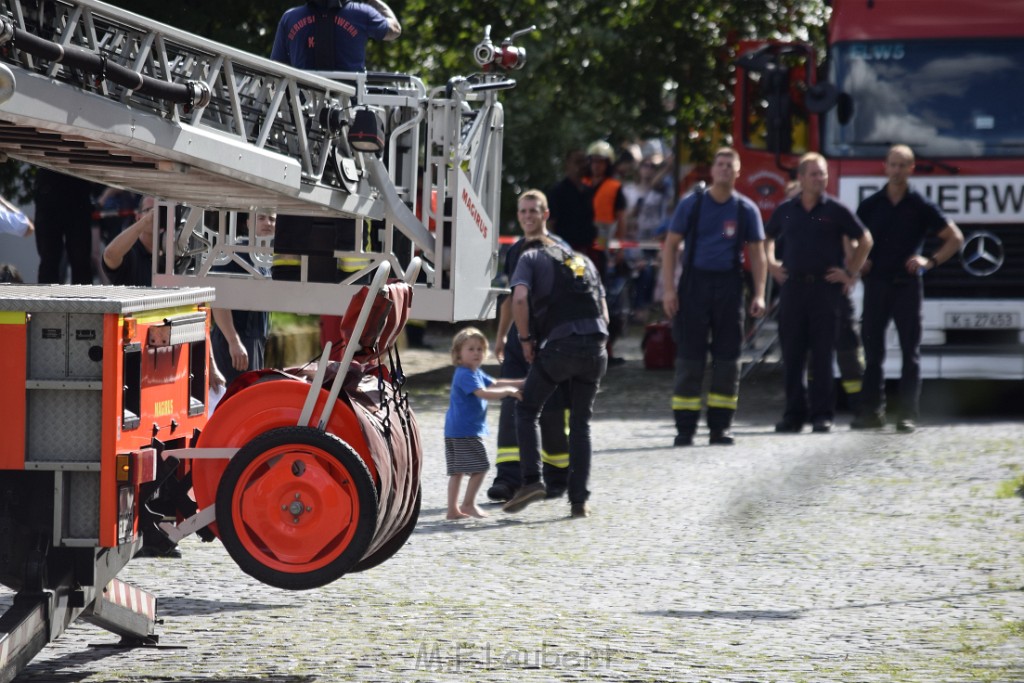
610	219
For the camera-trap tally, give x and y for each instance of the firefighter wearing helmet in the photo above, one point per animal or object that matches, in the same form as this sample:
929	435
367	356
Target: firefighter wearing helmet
601	148
609	202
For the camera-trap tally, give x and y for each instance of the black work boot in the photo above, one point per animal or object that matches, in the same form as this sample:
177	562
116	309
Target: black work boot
507	480
556	479
719	424
686	426
721	437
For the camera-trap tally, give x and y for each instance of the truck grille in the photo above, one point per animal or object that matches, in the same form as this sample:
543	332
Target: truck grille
954	281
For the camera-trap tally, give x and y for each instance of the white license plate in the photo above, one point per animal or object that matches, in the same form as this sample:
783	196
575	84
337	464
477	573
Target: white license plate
983	321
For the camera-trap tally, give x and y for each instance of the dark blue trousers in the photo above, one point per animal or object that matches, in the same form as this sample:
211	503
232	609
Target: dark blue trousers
582	359
898	300
808	325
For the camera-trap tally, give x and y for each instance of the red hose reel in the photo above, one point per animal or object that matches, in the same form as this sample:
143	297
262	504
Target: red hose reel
326	476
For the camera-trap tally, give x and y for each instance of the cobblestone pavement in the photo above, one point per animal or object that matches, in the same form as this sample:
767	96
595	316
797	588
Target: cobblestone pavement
839	557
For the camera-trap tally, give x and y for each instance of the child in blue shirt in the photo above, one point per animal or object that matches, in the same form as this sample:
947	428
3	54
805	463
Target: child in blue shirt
465	424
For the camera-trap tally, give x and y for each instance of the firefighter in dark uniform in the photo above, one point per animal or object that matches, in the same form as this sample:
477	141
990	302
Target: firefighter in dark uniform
850	353
900	219
815	273
327	35
849	350
558	305
532	214
713	227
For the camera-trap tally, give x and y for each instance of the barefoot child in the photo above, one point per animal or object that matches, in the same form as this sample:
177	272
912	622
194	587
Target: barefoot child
465	424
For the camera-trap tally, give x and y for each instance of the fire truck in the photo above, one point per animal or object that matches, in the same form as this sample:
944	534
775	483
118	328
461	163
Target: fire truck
936	76
303	476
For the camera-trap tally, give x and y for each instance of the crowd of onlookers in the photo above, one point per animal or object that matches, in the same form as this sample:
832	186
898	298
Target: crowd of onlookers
614	207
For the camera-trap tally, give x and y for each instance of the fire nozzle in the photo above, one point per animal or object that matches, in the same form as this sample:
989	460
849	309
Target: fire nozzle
506	56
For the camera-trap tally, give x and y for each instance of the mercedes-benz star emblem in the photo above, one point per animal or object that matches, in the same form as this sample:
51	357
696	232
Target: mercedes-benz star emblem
982	253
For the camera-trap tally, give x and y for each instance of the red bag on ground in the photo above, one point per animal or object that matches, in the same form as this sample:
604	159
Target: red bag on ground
658	347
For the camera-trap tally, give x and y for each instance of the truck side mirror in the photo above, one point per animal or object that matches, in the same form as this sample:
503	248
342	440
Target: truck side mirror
821	97
844	108
778	109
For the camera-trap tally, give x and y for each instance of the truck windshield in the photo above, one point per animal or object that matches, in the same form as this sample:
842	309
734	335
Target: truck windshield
948	98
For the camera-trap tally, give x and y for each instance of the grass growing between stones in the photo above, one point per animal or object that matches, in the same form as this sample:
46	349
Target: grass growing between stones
983	652
1011	488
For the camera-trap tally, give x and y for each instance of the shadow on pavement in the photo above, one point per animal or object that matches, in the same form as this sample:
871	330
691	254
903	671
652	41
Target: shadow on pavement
47	675
496	519
180	607
768	614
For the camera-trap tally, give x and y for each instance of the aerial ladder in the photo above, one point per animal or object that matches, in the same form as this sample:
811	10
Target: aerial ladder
303	478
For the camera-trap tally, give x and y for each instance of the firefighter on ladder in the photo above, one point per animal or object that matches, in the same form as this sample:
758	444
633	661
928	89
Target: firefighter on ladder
331	35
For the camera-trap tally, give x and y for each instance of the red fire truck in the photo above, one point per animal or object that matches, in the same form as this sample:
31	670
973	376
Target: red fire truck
304	476
938	76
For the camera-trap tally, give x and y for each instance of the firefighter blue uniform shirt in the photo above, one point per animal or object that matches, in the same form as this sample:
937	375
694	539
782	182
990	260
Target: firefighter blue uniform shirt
355	24
718	229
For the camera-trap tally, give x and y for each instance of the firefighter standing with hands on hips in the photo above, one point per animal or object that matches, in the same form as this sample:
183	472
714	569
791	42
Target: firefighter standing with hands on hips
815	275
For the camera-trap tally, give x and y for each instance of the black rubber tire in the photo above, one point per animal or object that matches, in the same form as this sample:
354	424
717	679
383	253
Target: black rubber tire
303	438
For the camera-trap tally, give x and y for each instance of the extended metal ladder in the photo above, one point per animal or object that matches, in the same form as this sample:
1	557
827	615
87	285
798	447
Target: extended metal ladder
108	95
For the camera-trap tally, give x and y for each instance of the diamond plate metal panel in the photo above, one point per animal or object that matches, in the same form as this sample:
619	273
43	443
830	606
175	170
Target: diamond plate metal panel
64	425
99	298
85	346
47	346
83	505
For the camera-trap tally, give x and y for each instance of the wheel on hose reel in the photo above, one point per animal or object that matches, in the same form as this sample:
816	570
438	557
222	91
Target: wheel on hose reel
395	543
296	508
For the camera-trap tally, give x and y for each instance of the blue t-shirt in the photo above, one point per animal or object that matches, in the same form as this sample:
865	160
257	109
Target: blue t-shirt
467	412
718	229
355	24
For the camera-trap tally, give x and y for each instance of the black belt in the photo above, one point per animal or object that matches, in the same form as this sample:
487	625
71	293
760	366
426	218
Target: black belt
903	278
806	278
579	339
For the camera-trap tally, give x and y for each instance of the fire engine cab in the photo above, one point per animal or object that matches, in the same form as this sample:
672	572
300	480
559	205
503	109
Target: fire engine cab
933	77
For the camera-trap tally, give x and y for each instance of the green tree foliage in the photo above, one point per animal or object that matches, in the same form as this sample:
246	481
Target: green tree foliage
619	70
